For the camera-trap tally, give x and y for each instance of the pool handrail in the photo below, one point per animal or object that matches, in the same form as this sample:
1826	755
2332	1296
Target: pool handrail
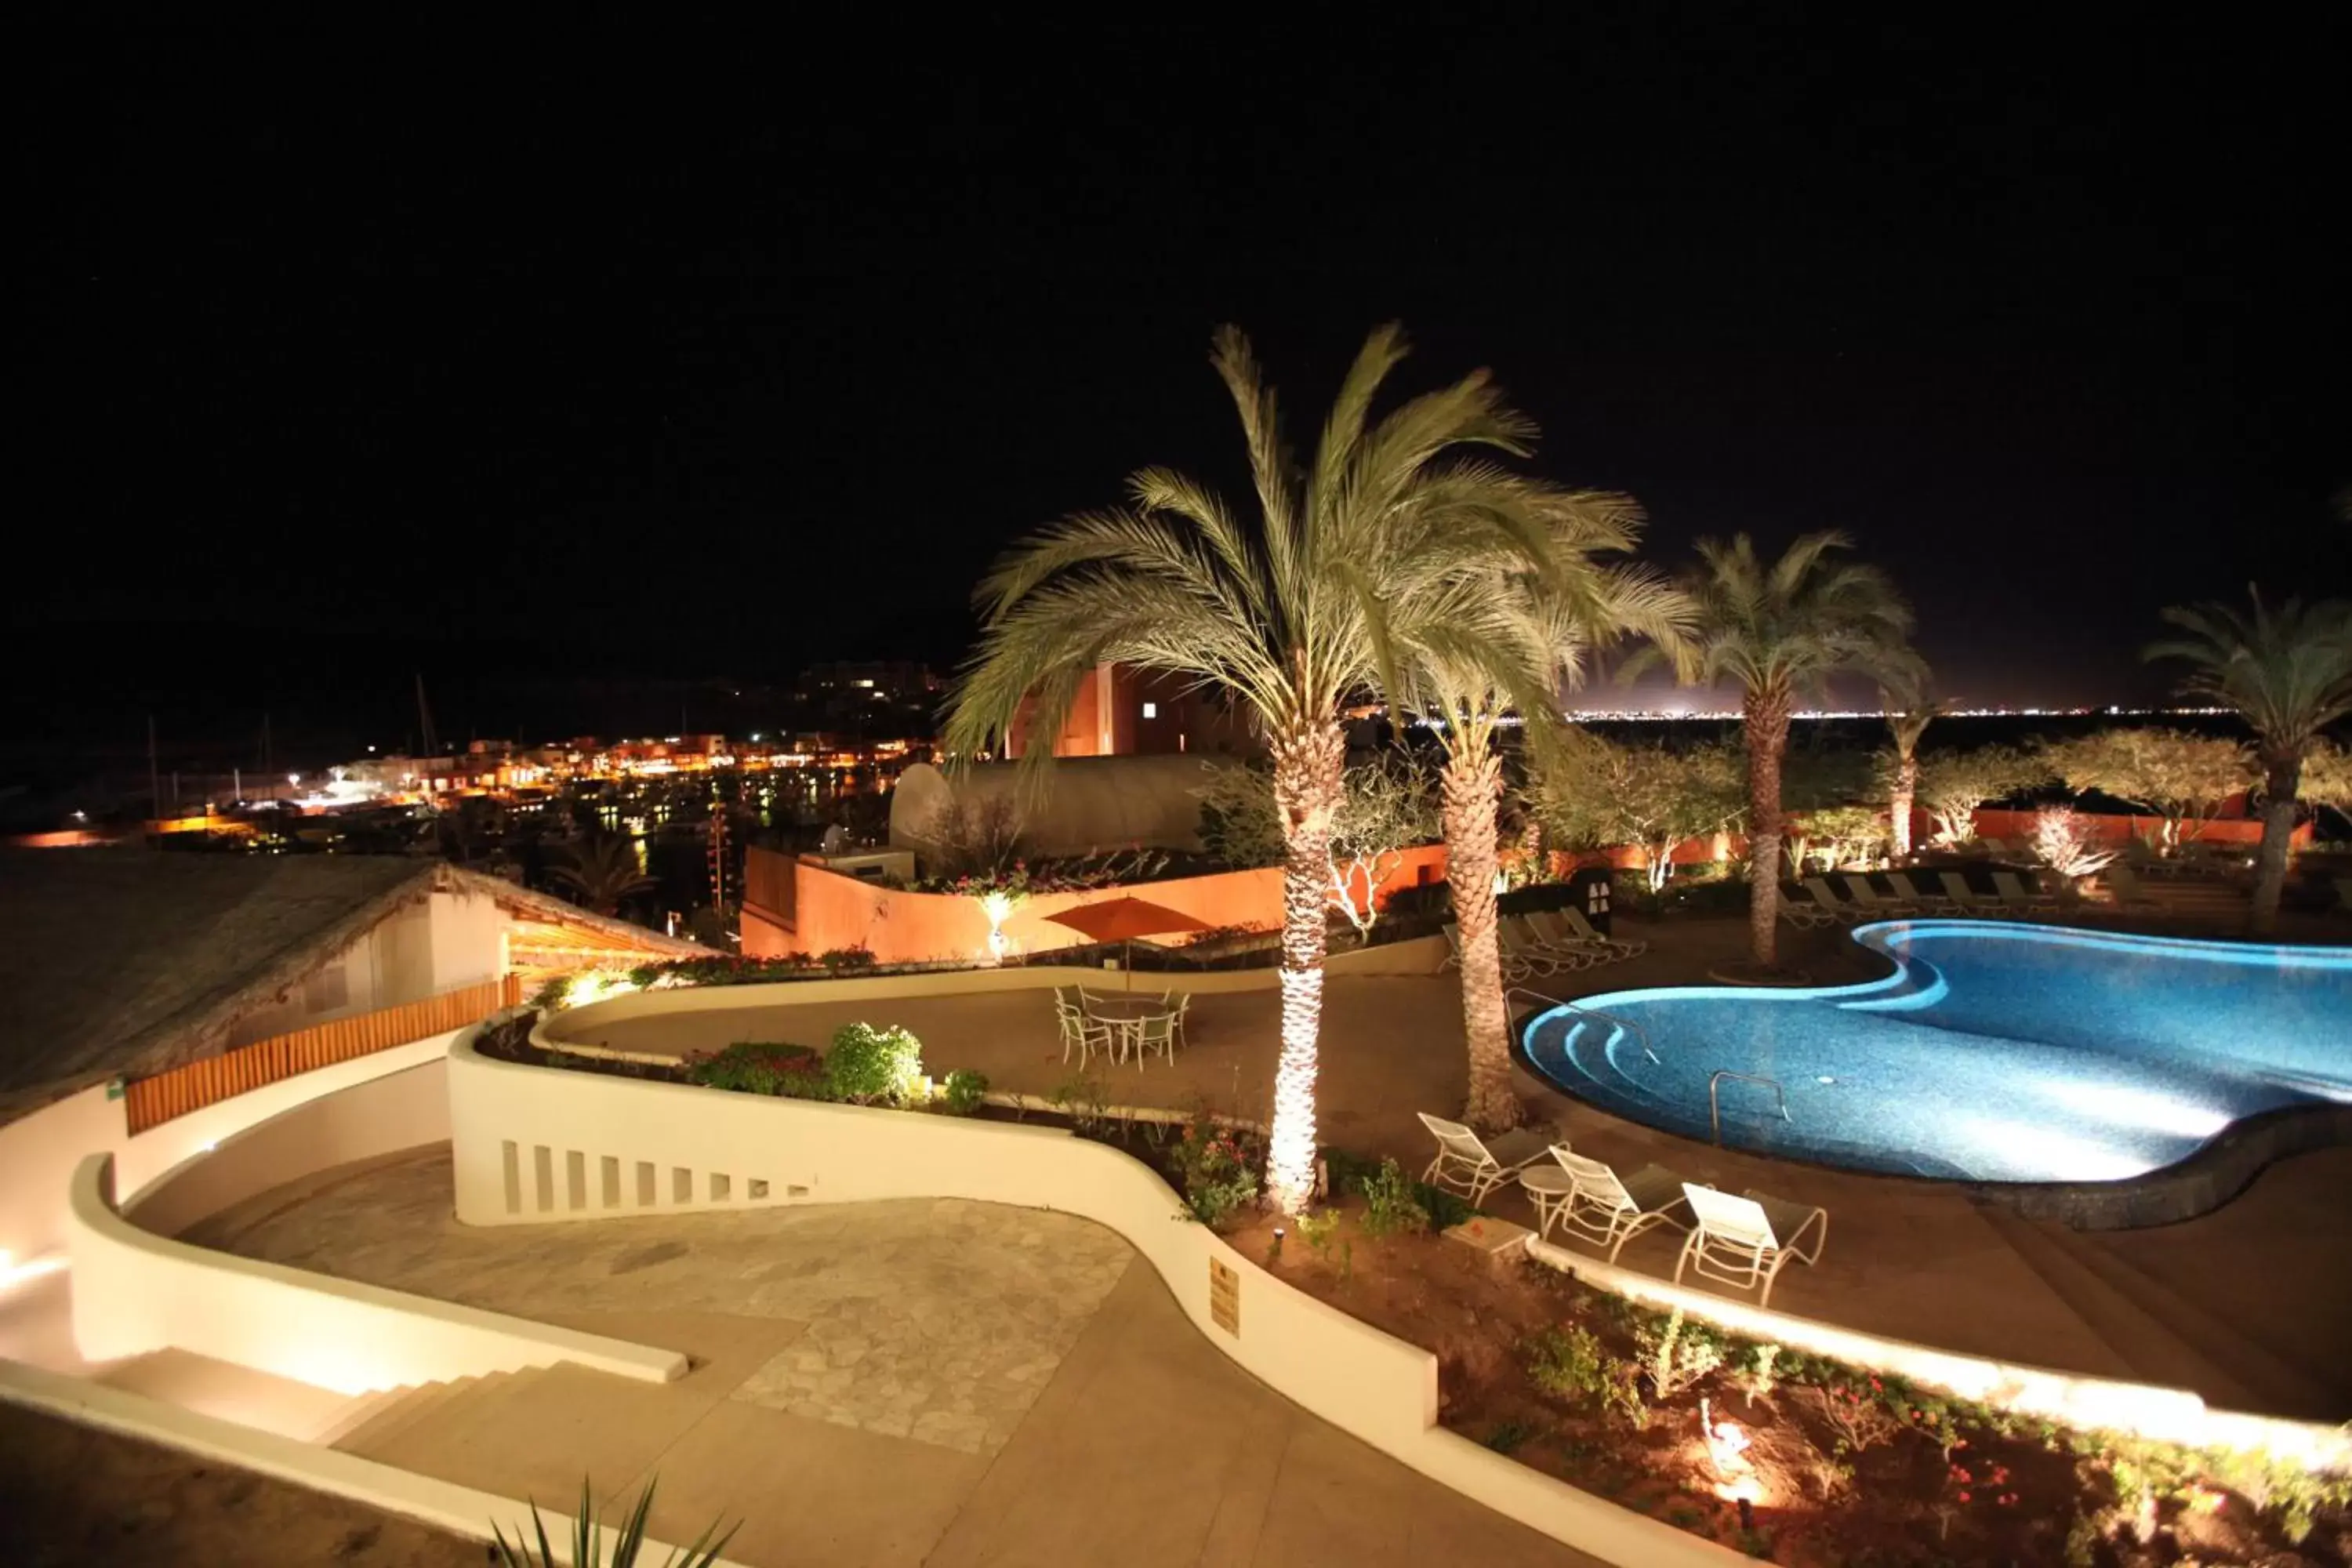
1715	1110
1551	1002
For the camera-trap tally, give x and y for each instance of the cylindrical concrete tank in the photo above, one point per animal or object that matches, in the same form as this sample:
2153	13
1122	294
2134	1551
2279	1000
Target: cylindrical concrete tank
1089	804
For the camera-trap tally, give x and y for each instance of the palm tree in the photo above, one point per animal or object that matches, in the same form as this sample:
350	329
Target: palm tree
2288	673
1906	725
603	870
1285	613
1782	630
1504	641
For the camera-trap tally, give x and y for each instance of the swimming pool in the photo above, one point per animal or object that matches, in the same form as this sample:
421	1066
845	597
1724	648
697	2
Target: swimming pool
1995	1052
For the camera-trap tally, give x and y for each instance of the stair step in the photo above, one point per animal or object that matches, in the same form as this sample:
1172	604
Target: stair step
359	1413
2284	1389
232	1392
452	1424
2149	1350
402	1414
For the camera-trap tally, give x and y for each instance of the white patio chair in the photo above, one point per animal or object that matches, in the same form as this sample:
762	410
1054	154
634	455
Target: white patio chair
1088	1034
1746	1241
1624	947
1155	1033
1610	1211
1467	1163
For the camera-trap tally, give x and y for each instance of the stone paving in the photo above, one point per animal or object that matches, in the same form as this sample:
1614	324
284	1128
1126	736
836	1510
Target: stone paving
937	1320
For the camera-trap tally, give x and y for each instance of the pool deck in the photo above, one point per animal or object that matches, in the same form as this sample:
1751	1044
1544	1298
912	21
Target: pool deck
2245	1305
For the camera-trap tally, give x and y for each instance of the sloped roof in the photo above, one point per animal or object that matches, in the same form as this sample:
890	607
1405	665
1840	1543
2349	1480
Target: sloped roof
123	959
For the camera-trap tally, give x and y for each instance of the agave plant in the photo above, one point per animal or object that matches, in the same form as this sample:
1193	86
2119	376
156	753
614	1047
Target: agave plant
588	1540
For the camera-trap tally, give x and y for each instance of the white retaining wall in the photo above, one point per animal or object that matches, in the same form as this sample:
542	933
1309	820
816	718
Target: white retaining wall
134	1293
533	1144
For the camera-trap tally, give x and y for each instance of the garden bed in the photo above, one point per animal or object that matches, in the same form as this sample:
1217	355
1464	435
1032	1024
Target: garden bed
1834	1466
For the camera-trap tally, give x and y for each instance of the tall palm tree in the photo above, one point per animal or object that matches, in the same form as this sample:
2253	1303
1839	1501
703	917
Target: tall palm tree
1284	612
1782	630
1906	725
603	870
1505	641
2288	673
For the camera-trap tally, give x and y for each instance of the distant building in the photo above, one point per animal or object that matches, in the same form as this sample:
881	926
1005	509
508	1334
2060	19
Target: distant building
890	695
1122	712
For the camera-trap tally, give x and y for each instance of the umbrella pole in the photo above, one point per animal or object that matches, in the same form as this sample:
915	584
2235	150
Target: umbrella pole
1129	963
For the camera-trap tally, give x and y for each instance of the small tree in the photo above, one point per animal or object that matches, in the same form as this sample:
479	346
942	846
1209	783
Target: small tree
1952	785
1597	793
2173	773
1843	833
1384	808
2328	775
1388	808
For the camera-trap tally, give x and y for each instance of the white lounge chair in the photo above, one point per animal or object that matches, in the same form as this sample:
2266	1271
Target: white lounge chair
2123	889
1609	1211
1467	1163
1799	908
1552	935
1926	903
1746	1241
1967	901
1826	896
1858	888
2021	897
1520	948
1515	969
1624	947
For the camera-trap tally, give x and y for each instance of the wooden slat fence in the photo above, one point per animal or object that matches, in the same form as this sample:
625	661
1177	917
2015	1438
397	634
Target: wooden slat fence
150	1101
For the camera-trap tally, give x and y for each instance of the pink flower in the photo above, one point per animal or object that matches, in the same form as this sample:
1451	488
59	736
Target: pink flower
1964	1496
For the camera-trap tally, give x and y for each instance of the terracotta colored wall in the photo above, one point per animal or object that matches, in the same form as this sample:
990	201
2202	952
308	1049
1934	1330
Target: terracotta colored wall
2016	827
834	910
1702	851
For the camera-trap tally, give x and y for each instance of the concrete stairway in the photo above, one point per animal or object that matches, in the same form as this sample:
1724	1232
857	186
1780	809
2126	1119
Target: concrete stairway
2159	1337
233	1393
380	1429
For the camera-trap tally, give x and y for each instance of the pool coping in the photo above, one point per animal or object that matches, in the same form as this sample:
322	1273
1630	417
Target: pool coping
2204	1179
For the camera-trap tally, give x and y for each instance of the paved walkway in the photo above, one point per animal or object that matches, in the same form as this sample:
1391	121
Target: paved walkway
2245	1305
930	1381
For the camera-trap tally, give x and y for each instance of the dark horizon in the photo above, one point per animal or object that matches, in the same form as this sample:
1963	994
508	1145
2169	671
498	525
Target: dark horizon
509	374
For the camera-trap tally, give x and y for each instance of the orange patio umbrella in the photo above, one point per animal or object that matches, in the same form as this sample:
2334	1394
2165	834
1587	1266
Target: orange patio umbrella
1125	917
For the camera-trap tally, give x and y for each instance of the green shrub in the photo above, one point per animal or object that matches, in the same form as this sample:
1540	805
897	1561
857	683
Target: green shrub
867	1066
1391	1203
1220	1170
549	997
588	1540
1570	1364
964	1089
1678	1354
754	1067
1320	1232
846	960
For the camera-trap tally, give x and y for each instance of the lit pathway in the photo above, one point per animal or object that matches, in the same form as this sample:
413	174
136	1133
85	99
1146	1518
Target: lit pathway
924	1382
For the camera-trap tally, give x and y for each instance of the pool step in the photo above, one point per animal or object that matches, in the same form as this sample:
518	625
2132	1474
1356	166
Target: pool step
2284	1389
2151	1350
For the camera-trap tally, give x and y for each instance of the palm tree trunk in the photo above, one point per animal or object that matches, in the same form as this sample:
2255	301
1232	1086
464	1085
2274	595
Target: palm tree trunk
1474	791
1766	726
1306	793
1906	790
2281	781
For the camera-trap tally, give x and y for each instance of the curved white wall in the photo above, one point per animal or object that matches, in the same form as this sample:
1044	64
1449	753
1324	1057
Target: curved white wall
532	1144
134	1293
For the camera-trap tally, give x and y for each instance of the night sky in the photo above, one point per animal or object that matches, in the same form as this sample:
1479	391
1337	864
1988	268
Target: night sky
636	355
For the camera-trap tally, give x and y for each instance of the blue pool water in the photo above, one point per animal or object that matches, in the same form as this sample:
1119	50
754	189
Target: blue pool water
1995	1052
